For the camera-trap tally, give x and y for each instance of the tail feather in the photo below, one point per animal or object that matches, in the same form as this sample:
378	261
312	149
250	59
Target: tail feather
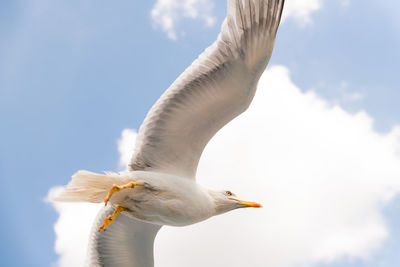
86	186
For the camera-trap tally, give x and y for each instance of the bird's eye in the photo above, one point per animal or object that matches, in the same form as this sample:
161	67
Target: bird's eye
229	193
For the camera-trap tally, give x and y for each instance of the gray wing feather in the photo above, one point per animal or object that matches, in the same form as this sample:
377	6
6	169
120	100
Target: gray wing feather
126	243
216	88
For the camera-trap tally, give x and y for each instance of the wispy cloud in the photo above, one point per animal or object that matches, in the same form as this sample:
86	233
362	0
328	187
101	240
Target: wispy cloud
346	96
166	14
301	10
346	3
323	175
352	97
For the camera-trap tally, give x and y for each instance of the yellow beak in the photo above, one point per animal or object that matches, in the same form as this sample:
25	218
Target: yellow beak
247	204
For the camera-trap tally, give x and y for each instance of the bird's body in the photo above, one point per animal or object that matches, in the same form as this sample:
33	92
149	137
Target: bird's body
165	199
160	185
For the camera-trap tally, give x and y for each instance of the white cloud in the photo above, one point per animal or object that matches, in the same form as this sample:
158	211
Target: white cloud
322	174
125	146
72	230
300	10
167	13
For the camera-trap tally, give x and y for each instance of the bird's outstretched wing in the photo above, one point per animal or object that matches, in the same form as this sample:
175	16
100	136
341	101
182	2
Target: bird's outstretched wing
126	243
217	87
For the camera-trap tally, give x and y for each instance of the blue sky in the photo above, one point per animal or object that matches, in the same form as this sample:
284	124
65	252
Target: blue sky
74	74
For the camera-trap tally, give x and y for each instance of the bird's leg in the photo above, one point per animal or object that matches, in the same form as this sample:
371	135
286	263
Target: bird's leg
117	188
110	218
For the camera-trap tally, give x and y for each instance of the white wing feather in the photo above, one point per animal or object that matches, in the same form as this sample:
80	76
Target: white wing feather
217	87
126	243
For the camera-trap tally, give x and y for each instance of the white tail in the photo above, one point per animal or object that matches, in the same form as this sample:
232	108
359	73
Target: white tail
88	186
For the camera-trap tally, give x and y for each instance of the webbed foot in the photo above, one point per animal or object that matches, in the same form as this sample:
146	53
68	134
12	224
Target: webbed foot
117	188
111	218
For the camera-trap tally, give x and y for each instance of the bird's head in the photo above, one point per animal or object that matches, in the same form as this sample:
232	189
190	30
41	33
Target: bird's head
226	201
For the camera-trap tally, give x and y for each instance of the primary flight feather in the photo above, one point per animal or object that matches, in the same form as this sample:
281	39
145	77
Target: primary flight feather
160	187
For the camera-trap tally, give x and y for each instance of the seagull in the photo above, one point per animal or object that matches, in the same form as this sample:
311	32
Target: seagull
159	188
